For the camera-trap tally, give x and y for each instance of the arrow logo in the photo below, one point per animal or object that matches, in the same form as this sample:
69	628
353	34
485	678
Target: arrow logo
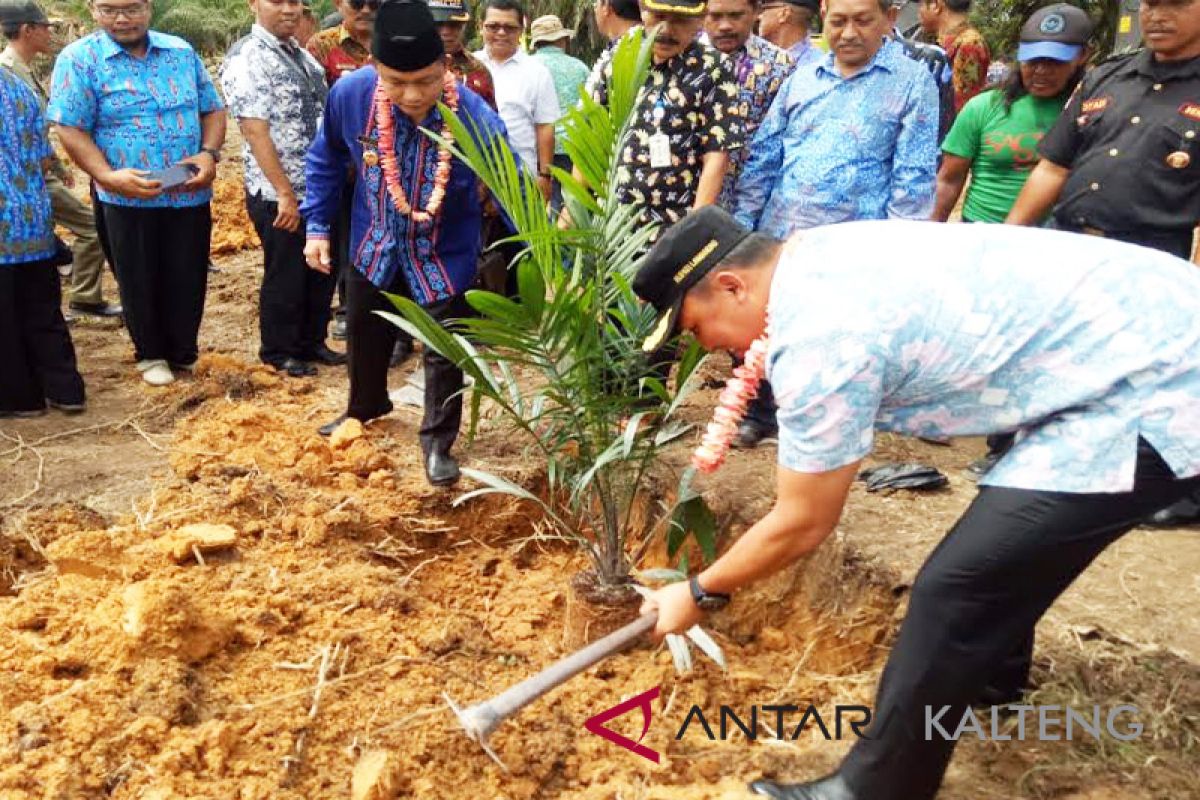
596	724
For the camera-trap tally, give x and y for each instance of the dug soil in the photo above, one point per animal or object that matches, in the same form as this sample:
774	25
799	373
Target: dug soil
202	598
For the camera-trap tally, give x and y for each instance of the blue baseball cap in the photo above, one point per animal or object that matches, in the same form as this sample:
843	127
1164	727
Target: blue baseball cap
1057	32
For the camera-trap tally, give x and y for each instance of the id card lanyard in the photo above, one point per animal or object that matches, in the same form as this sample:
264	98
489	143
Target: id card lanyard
660	143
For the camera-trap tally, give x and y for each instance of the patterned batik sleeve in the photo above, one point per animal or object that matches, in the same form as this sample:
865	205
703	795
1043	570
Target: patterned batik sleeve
209	101
914	163
763	162
828	394
245	99
73	101
723	122
970	71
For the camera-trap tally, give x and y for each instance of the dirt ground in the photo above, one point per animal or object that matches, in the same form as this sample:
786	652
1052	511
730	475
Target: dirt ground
354	595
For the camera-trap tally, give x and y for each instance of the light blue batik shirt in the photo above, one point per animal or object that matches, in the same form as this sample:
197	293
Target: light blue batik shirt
142	113
834	149
1080	344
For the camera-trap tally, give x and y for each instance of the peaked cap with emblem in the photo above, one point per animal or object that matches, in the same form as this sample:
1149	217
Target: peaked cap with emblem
405	36
683	255
1057	32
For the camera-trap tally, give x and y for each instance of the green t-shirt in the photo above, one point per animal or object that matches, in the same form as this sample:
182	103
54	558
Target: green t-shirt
1002	146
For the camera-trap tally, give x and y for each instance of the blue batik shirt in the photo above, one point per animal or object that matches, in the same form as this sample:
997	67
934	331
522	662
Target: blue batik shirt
1078	344
26	230
143	113
436	259
834	149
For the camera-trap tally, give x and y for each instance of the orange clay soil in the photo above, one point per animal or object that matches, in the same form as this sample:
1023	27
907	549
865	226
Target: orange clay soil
137	667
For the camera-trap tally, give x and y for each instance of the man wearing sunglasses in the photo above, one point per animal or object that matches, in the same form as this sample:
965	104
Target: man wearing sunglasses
346	47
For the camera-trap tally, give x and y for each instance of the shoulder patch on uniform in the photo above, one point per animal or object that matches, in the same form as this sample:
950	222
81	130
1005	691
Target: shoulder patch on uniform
1191	111
1095	105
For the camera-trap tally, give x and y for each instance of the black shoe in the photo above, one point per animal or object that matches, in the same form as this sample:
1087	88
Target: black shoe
329	427
325	355
1183	513
105	310
24	413
68	408
295	368
401	353
339	329
832	787
750	435
441	468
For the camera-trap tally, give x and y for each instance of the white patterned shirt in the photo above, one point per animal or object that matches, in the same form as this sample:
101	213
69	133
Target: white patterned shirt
1080	344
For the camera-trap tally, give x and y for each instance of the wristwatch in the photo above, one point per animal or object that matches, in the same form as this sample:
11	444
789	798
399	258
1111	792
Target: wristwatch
214	152
706	601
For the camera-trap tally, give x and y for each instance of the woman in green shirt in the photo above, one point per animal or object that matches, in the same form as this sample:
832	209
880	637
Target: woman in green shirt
995	137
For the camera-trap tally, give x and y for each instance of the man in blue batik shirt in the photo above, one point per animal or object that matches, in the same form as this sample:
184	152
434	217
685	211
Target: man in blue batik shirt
1028	330
852	137
431	260
37	359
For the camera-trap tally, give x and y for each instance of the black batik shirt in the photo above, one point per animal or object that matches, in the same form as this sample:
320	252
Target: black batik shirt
692	99
1130	136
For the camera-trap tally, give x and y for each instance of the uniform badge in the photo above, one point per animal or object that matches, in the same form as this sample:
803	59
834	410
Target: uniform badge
371	158
1191	111
1179	160
1094	105
370	146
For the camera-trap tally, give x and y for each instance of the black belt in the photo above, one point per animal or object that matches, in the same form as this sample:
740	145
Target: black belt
1176	241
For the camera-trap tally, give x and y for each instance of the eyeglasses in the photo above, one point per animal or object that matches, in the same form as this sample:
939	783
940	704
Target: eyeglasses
500	27
128	12
358	5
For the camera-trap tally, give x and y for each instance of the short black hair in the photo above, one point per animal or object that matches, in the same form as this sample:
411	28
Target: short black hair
884	5
625	9
12	30
506	5
750	253
960	6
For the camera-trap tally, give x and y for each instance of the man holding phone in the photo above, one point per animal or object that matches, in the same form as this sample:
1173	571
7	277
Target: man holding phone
130	102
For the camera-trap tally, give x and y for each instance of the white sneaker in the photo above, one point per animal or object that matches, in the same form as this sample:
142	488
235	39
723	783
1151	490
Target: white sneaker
156	373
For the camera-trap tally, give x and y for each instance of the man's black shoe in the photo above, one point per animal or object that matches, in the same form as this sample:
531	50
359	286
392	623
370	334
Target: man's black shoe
402	352
325	355
750	435
441	469
97	309
296	368
1178	515
832	787
68	408
24	413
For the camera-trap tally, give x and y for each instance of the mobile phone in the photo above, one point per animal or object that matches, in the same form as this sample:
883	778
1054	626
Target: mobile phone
175	176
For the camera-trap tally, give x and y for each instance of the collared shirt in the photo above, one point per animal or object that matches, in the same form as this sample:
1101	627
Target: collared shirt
805	52
969	58
474	73
1025	329
143	113
569	75
760	68
437	260
26	230
835	149
1119	136
525	96
268	79
692	98
9	58
337	52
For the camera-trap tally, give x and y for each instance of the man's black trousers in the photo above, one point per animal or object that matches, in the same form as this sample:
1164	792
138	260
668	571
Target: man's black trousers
160	256
294	302
973	608
370	340
37	359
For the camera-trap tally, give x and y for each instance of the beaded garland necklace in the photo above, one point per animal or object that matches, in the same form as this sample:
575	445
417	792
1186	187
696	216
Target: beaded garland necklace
385	121
732	404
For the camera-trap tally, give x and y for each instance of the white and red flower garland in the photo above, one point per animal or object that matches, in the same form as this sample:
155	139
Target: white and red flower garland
732	404
385	122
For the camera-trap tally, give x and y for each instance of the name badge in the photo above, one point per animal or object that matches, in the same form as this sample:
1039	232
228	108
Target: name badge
660	151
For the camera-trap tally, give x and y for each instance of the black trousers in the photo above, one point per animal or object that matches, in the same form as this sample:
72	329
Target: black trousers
37	358
1176	242
293	304
973	609
160	256
370	340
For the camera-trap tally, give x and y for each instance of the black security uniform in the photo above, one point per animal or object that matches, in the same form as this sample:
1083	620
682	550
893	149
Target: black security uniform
1130	137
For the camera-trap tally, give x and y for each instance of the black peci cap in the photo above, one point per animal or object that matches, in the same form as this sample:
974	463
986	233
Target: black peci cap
685	253
405	36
